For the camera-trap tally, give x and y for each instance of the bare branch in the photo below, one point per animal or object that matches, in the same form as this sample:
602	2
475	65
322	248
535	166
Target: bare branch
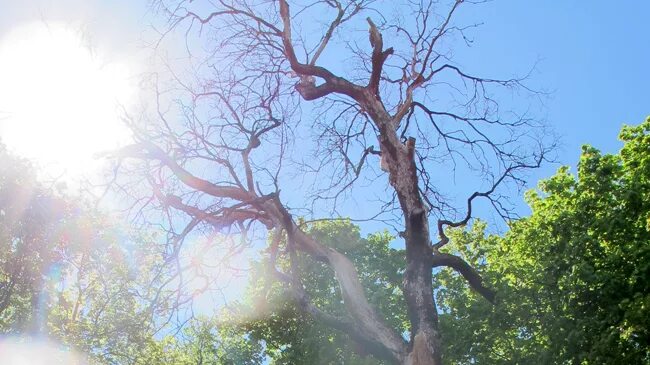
444	239
469	273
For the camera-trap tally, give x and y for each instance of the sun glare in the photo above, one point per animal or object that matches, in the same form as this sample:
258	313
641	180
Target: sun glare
17	351
59	99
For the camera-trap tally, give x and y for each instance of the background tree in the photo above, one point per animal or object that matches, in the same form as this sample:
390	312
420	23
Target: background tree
32	238
228	136
111	304
572	278
295	337
71	273
204	341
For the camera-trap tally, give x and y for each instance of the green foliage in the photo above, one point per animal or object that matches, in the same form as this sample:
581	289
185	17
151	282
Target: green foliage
204	342
292	337
72	274
105	309
572	278
34	222
68	272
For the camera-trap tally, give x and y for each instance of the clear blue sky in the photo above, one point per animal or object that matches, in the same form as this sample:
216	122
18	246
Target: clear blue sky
594	56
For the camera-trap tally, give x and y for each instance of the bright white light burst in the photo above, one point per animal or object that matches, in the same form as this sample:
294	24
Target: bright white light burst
59	102
24	351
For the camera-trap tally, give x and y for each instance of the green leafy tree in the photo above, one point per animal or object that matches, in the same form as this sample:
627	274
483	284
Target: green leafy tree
573	278
111	305
71	273
291	334
33	228
204	342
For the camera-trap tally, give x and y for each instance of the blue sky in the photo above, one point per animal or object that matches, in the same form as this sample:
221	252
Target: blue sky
592	55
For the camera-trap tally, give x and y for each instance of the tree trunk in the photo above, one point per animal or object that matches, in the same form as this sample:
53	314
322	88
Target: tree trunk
418	287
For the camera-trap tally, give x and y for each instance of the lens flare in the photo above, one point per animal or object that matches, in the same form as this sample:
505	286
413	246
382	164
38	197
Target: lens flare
25	351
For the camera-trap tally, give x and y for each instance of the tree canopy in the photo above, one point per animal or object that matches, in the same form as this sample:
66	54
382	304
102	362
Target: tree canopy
573	277
68	271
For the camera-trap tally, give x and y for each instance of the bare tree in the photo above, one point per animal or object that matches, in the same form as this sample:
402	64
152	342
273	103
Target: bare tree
272	83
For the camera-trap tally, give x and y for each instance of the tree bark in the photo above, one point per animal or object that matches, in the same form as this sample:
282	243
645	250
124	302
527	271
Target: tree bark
418	287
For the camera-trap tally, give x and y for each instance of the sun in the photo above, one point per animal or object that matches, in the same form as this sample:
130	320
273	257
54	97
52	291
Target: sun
60	100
